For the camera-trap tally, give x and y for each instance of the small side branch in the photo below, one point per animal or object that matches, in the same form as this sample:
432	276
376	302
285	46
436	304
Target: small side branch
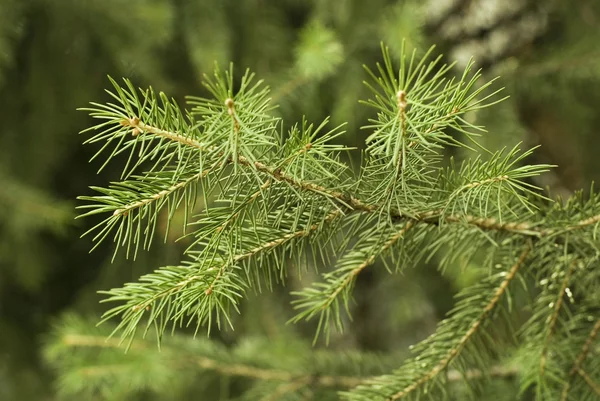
226	369
455	351
587	345
590	382
247	202
256	373
235	259
586	222
262	248
125	210
369	261
554	316
484	182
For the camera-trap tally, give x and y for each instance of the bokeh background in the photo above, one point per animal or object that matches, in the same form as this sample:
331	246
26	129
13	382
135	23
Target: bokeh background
55	56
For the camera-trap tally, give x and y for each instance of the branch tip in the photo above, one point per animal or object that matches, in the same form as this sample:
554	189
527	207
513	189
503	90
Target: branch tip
230	105
401	96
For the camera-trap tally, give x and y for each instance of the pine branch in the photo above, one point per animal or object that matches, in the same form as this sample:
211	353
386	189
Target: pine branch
341	199
276	194
267	246
273	172
253	372
134	206
477	183
579	360
444	363
433	217
440	357
81	351
323	299
226	369
140	128
196	289
369	261
126	209
554	316
593	385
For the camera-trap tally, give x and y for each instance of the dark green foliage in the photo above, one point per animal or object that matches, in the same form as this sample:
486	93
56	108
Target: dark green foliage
276	369
274	203
54	57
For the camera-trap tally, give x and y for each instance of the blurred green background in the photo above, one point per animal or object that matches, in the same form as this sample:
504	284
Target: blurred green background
55	56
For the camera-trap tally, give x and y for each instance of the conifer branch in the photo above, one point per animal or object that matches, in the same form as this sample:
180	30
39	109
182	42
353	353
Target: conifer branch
264	247
247	202
234	260
273	192
231	111
402	104
584	223
139	127
226	369
554	316
524	228
324	299
274	172
369	261
444	363
580	358
587	346
486	181
124	211
593	385
294	380
352	203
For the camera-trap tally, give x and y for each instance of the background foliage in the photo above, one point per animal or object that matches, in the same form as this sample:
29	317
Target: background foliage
55	55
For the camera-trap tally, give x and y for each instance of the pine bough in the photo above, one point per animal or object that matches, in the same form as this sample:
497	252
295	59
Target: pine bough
274	198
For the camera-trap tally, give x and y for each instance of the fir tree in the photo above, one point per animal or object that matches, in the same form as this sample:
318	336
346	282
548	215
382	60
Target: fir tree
278	201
